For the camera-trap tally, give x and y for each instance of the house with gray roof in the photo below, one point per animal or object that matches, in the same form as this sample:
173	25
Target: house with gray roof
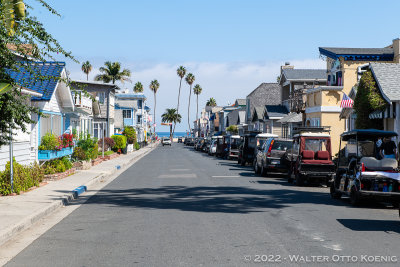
264	94
387	78
271	116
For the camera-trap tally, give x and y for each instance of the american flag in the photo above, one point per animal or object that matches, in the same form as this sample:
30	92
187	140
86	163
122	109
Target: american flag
347	102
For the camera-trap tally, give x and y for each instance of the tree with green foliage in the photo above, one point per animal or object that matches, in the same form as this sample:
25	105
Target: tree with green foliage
87	68
368	99
190	78
197	91
233	129
138	88
211	102
154	85
27	37
171	116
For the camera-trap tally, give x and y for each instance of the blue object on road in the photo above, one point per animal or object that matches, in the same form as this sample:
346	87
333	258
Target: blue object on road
79	190
118	167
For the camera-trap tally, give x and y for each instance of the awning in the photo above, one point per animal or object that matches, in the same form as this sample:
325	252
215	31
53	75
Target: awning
345	113
377	114
292	118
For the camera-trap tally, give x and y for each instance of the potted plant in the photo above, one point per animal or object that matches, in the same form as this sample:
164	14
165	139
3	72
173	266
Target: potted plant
130	134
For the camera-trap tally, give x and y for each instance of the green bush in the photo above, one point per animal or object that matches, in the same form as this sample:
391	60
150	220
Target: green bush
49	142
107	153
130	134
86	149
25	177
79	154
120	141
57	165
137	146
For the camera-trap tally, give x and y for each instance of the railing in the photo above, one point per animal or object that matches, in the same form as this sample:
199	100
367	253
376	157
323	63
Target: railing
82	101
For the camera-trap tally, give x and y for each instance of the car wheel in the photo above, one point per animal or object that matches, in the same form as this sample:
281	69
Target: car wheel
334	193
354	199
299	179
256	170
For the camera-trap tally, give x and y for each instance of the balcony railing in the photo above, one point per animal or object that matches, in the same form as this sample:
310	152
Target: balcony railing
82	102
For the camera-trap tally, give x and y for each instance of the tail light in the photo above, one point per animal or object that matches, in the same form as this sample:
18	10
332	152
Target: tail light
362	167
270	148
362	186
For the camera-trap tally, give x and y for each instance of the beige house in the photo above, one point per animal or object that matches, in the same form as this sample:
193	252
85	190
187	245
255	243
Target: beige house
344	69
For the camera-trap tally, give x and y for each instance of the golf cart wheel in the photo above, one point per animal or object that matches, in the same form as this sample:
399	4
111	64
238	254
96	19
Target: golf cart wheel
289	176
354	199
334	193
263	171
299	180
256	169
243	162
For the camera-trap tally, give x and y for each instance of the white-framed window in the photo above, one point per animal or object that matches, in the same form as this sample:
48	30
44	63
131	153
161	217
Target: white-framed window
102	97
140	104
98	130
139	119
127	114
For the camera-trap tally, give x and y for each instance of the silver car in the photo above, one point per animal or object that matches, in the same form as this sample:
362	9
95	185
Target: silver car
166	141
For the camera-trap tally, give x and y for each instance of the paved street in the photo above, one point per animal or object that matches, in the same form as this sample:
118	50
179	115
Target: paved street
178	207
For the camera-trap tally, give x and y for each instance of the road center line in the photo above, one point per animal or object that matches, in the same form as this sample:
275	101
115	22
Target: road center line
225	176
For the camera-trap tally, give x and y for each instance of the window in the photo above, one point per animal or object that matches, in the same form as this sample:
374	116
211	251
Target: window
51	123
102	97
139	119
98	130
140	103
127	114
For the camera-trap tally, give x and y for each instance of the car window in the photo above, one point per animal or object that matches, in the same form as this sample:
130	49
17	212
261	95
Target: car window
281	145
315	144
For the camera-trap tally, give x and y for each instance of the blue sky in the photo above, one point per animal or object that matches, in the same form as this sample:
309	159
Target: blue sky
230	46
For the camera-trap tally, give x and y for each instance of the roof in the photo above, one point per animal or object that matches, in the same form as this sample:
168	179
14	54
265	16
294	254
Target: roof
266	135
51	70
98	83
118	106
24	48
363	134
267	87
304	74
147	108
309	134
240	102
387	76
258	111
292	118
130	96
275	111
366	54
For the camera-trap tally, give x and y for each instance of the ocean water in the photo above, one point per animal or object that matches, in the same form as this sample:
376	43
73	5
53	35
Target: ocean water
176	134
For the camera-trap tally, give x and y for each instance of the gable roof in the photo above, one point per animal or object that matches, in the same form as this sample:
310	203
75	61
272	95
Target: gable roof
304	74
270	87
51	70
387	76
365	54
258	113
240	102
130	96
275	111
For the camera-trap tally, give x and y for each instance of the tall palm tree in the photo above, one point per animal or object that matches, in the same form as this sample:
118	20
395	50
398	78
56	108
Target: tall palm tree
112	73
197	90
190	80
138	88
181	71
171	116
87	68
211	102
154	85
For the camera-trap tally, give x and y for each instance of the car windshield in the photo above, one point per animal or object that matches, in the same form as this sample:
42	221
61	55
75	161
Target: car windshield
315	144
252	142
235	143
166	139
282	145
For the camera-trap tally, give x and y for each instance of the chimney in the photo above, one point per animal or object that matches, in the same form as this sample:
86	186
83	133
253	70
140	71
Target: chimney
287	66
396	50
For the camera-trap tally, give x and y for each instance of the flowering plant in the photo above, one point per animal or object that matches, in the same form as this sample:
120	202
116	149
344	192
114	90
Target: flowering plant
67	140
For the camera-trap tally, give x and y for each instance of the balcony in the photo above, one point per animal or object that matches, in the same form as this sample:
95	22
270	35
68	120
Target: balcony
82	103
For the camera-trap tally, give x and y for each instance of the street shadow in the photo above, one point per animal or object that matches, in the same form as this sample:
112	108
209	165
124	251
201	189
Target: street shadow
371	225
209	199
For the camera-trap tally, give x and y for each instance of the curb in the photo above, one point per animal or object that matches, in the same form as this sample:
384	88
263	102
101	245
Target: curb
27	222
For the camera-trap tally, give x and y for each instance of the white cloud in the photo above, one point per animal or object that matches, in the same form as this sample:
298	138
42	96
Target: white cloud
223	81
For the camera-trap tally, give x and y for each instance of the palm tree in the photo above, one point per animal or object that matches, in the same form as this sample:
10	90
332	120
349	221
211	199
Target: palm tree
181	71
154	85
138	88
87	68
211	102
112	73
190	80
171	116
197	90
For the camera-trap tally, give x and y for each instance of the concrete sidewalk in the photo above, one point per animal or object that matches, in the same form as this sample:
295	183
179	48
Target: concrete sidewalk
18	213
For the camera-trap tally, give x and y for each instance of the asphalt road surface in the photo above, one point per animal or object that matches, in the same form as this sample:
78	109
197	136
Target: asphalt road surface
178	207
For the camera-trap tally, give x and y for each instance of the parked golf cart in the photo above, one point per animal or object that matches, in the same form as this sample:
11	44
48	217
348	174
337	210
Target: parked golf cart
260	142
220	146
247	148
310	158
232	146
362	172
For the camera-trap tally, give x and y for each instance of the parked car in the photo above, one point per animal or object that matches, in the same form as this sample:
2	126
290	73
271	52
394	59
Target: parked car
198	144
206	145
166	141
180	139
247	148
189	141
260	141
310	158
362	173
271	158
213	146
